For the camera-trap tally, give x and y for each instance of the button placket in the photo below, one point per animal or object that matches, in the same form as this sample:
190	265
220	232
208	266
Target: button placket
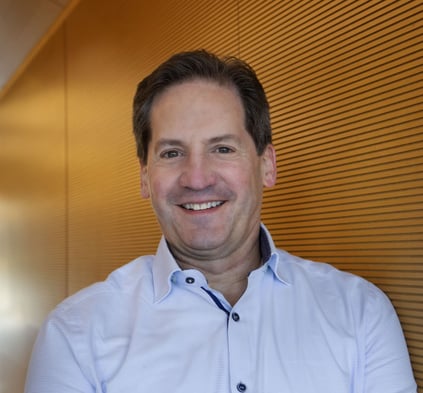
239	350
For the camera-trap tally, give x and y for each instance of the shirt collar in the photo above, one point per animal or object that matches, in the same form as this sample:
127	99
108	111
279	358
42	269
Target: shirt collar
165	266
271	257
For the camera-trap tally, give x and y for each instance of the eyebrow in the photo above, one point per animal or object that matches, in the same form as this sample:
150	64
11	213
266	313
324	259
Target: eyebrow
224	138
161	143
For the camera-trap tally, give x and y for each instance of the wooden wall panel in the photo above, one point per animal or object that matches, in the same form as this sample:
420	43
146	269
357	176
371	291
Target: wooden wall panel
345	83
32	208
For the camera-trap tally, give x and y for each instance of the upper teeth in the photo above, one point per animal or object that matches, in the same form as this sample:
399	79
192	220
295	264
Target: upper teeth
201	206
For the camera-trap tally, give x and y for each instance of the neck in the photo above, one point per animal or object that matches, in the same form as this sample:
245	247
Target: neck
229	275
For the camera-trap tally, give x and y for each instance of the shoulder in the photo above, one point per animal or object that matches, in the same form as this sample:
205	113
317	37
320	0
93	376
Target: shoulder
328	283
122	286
297	268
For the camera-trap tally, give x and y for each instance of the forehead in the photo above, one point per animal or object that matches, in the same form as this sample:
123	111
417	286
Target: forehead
196	103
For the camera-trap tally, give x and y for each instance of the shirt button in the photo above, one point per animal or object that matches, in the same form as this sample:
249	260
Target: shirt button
241	387
190	280
235	316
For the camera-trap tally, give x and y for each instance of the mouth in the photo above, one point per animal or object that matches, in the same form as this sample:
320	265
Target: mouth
202	206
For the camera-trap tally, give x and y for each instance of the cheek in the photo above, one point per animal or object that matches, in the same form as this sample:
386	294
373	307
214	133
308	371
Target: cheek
163	189
242	174
250	175
157	189
248	182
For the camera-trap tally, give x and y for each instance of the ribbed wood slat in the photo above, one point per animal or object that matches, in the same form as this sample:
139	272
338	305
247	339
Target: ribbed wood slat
345	83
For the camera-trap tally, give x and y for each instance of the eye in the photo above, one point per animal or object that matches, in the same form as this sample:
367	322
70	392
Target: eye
170	154
224	149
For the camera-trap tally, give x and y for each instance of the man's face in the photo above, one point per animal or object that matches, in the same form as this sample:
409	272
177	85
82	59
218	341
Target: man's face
203	174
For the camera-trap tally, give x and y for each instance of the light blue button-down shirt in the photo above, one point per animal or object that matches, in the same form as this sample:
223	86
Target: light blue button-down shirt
300	327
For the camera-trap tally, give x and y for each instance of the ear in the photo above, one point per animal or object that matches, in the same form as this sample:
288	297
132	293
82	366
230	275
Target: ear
145	190
269	166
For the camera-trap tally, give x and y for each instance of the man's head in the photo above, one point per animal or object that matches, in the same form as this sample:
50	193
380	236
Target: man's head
204	157
188	66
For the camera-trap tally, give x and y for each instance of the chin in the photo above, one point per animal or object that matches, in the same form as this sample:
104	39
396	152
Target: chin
204	243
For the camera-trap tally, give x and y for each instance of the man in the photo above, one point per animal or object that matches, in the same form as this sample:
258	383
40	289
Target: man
218	308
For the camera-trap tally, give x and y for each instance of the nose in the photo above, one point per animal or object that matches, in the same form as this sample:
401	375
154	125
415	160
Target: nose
197	173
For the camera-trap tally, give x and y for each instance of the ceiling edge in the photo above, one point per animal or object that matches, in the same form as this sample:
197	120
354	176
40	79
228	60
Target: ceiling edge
37	48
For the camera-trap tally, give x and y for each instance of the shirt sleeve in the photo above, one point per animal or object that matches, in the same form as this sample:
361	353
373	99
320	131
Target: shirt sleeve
55	362
387	362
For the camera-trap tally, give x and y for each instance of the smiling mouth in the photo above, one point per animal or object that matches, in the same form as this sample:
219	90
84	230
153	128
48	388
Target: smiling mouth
202	206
